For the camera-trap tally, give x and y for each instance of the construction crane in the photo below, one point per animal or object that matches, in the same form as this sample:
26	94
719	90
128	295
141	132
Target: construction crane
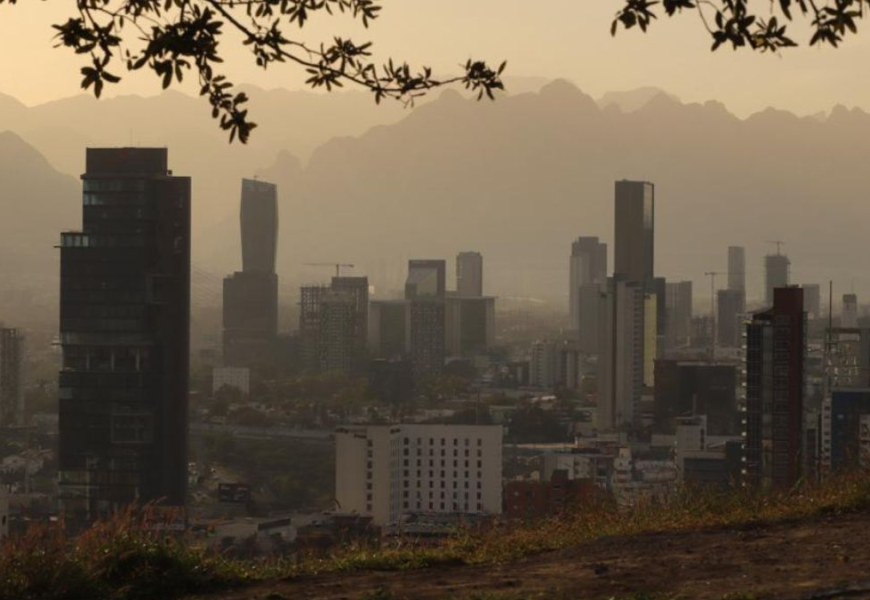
712	275
337	266
779	244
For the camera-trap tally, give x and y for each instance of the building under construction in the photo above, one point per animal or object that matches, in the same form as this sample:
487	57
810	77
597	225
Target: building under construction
333	325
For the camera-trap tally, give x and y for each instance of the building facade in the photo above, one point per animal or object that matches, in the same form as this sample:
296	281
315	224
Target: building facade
775	383
730	309
124	328
11	377
250	299
388	471
678	303
587	277
634	218
737	269
776	275
621	362
696	388
469	274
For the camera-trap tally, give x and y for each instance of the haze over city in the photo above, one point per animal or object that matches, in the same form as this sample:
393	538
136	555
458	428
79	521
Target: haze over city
589	319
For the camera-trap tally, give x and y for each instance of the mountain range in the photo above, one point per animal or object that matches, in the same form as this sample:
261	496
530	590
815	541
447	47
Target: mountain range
517	179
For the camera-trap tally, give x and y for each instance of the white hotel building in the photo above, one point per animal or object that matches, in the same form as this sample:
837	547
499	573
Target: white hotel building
386	471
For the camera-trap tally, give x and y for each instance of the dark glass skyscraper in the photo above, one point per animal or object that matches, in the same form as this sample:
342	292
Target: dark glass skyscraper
124	325
635	232
251	295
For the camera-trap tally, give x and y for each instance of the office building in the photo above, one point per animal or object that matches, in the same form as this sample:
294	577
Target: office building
250	299
587	278
737	269
776	275
696	388
427	316
813	299
358	290
554	365
470	325
775	384
11	377
678	303
846	430
389	471
388	322
849	314
124	330
621	357
426	279
469	274
730	313
634	214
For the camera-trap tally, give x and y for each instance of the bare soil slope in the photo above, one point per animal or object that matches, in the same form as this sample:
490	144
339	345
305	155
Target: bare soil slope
820	558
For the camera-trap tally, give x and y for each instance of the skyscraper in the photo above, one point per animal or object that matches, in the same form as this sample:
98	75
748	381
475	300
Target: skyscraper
730	307
678	302
849	315
776	275
588	268
470	325
775	383
621	357
124	326
635	232
333	325
426	279
737	268
11	377
813	299
259	222
427	316
469	274
250	300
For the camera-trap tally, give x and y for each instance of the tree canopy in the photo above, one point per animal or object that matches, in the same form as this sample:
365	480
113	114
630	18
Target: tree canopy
752	24
173	37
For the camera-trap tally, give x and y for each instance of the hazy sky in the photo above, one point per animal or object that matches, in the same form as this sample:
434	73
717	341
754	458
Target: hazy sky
550	38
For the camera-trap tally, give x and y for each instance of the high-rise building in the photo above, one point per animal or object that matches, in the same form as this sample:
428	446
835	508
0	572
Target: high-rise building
737	268
427	316
469	274
813	299
635	232
380	470
358	289
555	365
621	357
730	309
776	342
259	224
250	301
11	377
849	314
470	325
388	322
847	424
124	327
427	336
678	302
776	275
333	325
587	271
695	388
426	279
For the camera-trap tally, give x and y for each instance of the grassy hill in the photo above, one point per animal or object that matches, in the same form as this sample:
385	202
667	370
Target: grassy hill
696	546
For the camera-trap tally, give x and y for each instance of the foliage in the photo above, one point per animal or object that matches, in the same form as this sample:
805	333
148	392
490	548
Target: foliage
128	558
744	24
174	37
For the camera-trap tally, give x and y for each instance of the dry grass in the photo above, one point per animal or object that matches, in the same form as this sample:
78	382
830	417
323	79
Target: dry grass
127	558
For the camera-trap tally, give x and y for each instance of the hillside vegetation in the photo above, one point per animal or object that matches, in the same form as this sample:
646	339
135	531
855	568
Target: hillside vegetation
128	558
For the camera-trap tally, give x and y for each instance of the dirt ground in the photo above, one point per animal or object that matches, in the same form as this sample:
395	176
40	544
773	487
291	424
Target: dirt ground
809	560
